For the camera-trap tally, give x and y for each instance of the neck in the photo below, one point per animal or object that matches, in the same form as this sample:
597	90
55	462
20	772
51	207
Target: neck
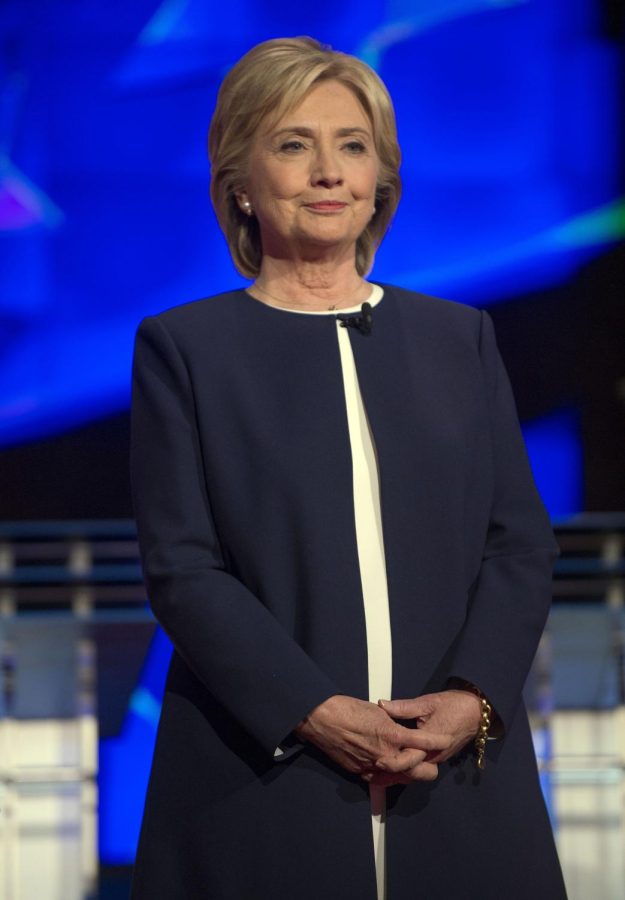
309	286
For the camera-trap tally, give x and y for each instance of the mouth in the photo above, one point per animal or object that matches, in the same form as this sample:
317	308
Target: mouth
327	206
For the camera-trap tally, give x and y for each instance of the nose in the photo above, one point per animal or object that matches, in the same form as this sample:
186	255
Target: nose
326	170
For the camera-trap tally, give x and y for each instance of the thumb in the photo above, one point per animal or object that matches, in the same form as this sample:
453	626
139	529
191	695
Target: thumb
405	709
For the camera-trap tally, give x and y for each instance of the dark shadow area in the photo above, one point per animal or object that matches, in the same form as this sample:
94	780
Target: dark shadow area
566	347
115	882
81	474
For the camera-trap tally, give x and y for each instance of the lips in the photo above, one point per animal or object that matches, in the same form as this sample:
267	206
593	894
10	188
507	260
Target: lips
326	206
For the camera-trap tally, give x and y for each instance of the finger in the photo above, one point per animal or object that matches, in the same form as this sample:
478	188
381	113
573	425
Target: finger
384	779
401	762
442	757
420	739
409	708
400	709
426	771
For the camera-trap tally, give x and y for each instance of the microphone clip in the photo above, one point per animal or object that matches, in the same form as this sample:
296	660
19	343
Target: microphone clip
363	322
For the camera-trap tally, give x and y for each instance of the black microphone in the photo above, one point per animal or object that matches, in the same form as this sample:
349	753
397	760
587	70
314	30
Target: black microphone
364	322
367	318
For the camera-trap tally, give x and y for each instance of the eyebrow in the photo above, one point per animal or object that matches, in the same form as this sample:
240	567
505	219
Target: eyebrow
310	132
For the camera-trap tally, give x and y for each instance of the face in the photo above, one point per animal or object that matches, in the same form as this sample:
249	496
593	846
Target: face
312	178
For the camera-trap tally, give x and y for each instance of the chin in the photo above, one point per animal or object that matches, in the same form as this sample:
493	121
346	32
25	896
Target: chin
329	236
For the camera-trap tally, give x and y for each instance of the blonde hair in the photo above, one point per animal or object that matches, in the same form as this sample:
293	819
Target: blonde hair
265	84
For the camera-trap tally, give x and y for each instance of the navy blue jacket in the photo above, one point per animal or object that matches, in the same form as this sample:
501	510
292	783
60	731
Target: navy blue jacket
242	484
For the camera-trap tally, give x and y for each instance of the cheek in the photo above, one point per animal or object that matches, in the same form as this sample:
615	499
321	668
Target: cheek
277	189
367	191
265	184
368	182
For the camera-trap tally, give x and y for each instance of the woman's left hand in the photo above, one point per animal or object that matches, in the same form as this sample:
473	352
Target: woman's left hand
453	713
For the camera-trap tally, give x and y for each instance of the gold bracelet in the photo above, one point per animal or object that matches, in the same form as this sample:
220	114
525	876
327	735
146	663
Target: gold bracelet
482	733
486	711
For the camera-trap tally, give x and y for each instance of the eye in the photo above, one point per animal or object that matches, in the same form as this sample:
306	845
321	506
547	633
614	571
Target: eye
355	147
291	146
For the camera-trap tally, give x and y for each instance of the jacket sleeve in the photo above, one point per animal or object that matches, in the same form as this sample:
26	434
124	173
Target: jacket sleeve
230	640
511	594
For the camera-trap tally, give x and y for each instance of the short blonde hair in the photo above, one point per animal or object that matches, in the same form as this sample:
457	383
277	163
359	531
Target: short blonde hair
265	84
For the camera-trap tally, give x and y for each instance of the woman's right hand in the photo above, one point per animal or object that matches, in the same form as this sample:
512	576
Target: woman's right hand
355	734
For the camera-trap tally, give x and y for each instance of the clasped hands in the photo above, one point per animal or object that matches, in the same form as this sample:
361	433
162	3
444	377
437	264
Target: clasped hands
365	738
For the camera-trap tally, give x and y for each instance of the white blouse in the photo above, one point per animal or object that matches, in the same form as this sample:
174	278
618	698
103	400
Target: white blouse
369	537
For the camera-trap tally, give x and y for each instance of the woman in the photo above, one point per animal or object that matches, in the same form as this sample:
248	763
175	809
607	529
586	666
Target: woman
334	507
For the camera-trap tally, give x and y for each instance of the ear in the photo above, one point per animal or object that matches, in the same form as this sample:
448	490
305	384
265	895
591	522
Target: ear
243	202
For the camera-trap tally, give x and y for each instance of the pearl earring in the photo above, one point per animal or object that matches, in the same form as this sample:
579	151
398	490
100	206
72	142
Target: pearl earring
247	206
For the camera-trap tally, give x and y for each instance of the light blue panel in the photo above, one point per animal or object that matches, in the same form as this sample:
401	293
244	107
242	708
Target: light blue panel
586	644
